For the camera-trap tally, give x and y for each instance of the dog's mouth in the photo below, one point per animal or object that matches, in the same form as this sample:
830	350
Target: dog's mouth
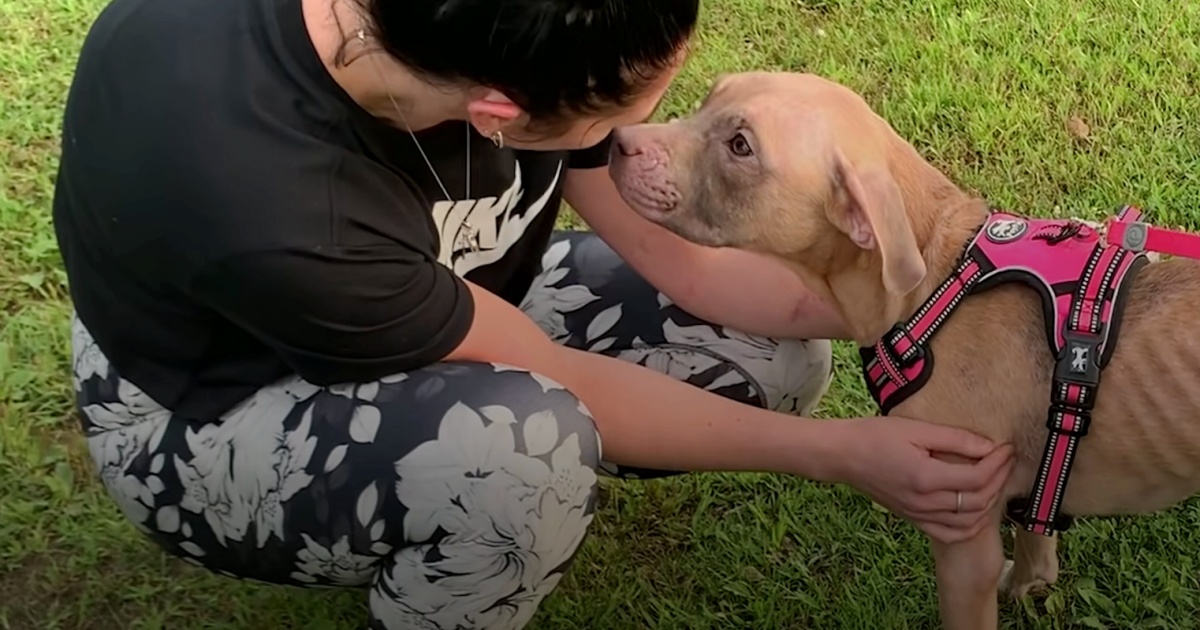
649	208
645	189
646	185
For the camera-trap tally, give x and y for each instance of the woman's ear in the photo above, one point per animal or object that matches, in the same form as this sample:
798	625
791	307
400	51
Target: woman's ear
490	110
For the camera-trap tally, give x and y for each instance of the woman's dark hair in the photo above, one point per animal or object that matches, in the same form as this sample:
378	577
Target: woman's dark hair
551	57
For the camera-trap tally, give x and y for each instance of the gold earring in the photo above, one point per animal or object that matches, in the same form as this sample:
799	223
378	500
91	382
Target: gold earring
497	139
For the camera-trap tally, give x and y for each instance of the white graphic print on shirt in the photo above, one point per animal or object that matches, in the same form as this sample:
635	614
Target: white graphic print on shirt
478	232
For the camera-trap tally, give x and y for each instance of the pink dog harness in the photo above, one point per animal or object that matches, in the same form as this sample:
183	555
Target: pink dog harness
1082	276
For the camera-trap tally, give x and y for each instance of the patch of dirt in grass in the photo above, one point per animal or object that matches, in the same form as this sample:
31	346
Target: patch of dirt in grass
25	162
23	596
1078	128
38	589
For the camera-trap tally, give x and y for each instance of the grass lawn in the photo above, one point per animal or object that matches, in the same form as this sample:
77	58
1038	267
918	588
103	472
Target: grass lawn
1046	106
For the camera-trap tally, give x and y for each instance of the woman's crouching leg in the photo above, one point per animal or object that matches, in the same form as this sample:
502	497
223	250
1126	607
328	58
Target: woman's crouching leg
495	505
458	493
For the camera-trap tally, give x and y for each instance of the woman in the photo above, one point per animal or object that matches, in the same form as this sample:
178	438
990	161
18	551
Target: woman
325	334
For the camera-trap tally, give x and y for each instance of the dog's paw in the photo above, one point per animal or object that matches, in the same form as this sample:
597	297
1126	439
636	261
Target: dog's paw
1012	588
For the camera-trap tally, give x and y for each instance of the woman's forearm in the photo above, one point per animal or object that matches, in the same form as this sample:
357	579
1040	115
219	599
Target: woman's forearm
650	420
756	295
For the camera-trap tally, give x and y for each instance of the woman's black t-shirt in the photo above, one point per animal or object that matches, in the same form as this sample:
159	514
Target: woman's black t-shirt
228	216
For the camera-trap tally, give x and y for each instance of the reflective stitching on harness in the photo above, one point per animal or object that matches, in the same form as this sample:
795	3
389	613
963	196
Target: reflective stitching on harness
1081	330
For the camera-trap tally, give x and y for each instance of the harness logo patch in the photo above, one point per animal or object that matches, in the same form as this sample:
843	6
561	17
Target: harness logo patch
1079	359
1005	230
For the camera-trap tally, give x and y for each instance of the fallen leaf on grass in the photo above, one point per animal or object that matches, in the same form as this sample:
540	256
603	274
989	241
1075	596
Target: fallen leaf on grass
1078	128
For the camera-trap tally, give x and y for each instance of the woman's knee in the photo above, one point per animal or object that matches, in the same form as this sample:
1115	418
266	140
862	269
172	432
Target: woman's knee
517	446
797	376
790	376
509	409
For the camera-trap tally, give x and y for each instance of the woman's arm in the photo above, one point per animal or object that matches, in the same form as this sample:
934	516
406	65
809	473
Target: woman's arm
734	288
647	419
357	314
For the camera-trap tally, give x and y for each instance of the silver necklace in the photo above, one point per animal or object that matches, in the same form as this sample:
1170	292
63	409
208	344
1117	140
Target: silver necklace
468	236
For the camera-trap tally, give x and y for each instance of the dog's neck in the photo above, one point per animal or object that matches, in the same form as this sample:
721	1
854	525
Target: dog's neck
943	217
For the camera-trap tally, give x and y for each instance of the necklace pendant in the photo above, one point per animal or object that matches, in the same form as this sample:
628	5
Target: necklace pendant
471	237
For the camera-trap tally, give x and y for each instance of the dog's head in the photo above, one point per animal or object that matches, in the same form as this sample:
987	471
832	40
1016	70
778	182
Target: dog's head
790	165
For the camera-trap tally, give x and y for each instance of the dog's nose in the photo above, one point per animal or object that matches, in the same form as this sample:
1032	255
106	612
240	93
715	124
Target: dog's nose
624	144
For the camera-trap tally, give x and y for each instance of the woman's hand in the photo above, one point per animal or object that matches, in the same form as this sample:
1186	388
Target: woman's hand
892	460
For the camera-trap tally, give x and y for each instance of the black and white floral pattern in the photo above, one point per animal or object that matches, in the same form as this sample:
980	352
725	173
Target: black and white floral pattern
457	493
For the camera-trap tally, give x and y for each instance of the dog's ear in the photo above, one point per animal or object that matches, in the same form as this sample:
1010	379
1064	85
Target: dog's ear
868	207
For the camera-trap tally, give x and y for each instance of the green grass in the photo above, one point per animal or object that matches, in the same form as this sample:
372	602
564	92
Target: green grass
984	88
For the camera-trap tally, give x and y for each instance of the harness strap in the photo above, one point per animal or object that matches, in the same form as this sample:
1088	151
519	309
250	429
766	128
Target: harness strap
1076	378
1139	236
898	364
1073	390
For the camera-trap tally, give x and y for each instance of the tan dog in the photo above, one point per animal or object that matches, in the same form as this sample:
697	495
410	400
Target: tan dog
802	169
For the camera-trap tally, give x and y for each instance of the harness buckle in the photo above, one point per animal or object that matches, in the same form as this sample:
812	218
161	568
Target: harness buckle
891	342
1079	360
1017	513
1080	429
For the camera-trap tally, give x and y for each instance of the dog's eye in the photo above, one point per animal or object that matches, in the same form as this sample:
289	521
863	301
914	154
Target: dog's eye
740	146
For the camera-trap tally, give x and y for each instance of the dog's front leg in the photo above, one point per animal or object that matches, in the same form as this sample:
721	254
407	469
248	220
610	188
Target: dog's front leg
1034	565
968	576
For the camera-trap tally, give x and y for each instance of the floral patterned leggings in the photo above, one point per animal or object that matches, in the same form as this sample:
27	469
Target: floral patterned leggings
457	493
